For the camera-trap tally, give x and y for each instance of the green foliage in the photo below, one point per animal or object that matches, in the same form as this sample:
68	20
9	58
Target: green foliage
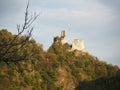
2	78
59	49
104	83
23	84
55	69
28	80
14	49
10	73
2	65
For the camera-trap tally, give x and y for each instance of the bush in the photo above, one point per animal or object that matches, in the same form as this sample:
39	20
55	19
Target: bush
28	80
10	72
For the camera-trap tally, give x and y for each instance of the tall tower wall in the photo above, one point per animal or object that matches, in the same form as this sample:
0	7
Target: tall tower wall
63	33
78	44
63	37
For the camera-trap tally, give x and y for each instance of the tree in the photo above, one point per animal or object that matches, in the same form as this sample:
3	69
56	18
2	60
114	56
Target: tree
12	46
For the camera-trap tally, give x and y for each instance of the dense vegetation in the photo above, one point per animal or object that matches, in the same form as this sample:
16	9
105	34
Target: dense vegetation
104	83
55	69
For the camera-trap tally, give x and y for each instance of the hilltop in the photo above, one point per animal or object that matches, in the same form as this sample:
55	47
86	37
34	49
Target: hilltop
55	69
77	44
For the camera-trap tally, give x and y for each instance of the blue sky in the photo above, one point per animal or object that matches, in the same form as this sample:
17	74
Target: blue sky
95	21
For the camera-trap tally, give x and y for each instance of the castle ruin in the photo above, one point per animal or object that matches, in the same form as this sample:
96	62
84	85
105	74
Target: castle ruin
62	38
78	44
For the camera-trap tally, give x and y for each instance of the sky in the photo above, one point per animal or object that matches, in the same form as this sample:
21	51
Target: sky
97	22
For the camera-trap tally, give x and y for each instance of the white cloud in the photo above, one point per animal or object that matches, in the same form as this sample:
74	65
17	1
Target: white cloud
88	12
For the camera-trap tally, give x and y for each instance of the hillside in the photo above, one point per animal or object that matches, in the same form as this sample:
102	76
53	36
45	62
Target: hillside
55	69
104	83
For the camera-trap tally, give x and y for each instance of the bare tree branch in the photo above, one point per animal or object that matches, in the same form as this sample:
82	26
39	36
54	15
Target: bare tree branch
10	46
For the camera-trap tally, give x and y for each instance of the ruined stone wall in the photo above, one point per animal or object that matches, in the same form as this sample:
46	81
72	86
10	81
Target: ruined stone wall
64	40
78	44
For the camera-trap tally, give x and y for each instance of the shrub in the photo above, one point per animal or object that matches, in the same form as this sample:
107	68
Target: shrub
10	72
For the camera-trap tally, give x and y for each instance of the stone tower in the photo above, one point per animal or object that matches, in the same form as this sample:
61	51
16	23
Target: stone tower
63	33
62	38
78	44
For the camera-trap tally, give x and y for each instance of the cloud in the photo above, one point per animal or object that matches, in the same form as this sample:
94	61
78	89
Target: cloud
75	13
68	12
